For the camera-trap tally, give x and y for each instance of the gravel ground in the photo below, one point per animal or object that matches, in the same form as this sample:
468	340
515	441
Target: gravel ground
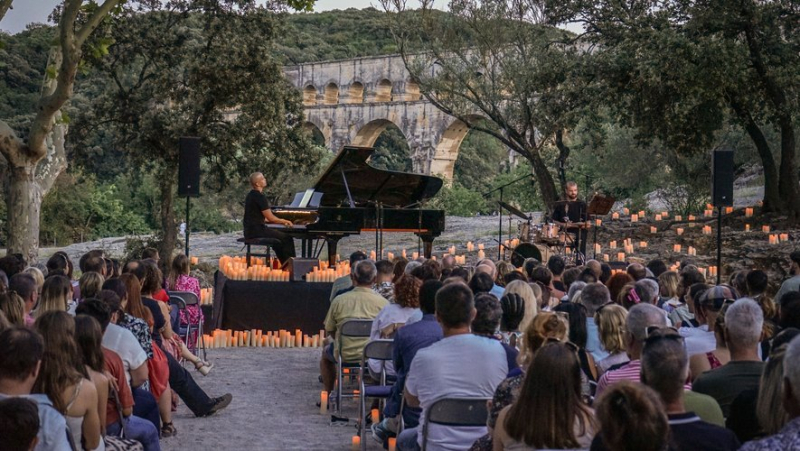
274	395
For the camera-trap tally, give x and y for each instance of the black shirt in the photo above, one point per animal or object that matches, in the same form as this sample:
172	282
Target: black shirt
158	318
689	433
576	212
254	204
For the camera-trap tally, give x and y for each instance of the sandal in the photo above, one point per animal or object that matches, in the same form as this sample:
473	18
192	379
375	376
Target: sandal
168	430
203	367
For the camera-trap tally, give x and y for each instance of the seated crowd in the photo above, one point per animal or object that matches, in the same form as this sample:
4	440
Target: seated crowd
96	362
584	357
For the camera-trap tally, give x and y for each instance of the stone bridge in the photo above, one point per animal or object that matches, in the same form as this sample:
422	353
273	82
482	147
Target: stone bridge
354	101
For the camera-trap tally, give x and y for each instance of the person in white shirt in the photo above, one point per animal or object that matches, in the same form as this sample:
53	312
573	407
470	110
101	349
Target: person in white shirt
458	366
701	340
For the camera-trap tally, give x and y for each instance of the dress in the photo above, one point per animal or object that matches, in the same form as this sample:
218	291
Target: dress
193	314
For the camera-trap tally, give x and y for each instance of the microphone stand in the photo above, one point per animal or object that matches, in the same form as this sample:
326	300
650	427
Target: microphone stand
500	211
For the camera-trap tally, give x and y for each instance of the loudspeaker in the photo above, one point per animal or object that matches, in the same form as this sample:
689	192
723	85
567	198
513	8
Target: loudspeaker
722	178
299	267
189	167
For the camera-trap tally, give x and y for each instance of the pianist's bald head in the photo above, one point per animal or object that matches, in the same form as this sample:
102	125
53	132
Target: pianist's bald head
254	178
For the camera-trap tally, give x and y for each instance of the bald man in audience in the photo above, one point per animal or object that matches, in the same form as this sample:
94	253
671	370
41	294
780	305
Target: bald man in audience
596	268
637	271
487	266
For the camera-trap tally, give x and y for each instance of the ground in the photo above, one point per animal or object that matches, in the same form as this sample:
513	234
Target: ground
274	395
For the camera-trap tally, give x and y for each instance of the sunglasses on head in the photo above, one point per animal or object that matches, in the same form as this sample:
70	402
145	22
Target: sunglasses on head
718	303
569	344
599	309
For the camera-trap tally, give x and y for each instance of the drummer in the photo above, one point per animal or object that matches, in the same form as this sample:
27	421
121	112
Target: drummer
572	214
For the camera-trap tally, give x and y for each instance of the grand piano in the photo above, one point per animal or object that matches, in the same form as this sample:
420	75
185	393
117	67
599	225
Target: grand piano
352	197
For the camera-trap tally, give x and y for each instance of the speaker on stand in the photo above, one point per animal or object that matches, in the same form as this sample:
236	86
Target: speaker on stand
721	193
188	175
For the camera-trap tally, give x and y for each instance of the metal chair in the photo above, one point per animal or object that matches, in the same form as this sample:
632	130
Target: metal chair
378	350
455	412
188	298
352	328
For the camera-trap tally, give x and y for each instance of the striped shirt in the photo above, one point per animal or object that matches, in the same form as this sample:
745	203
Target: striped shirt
632	371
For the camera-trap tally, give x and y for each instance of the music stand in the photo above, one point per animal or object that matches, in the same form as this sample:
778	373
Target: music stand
600	205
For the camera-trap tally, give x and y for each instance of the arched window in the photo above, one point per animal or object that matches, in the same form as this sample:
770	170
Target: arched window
356	93
383	92
310	95
331	94
412	91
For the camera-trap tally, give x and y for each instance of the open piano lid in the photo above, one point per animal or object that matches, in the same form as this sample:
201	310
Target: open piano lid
369	185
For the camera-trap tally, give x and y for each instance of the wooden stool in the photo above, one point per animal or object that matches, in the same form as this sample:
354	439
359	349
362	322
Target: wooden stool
268	243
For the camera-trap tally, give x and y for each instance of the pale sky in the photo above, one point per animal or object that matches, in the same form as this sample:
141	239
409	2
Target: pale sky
27	11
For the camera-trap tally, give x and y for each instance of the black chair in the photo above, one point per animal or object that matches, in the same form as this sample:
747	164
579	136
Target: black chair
268	243
189	298
378	350
455	412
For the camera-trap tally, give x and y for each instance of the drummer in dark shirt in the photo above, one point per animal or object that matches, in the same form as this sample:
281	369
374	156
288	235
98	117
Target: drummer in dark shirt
258	213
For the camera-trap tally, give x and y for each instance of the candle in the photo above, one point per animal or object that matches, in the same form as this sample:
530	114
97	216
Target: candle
679	231
597	248
614	216
356	445
621	256
728	210
708	213
653	230
641	214
706	230
691	218
626	211
606	258
415	255
748	212
642	244
375	416
481	255
765	229
784	237
676	248
392	444
634	218
612	244
679	218
747	227
480	246
658	217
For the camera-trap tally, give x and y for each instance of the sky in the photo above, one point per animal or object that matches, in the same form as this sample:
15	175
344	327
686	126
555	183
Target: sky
27	11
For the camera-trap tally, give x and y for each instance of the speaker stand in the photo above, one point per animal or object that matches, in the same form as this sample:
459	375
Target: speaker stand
719	243
188	205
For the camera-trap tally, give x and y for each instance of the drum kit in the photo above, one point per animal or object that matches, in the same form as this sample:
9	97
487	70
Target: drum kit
539	241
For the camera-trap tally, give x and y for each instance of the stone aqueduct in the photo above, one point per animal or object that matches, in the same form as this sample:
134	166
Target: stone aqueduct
354	101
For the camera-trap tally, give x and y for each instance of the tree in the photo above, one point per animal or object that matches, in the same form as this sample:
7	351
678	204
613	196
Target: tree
204	70
38	157
677	71
495	67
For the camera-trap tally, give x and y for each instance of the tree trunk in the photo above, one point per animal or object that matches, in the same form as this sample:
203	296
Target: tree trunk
168	227
24	204
789	181
547	185
772	198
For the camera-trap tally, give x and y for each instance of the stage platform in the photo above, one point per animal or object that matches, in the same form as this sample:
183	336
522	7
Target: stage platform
270	306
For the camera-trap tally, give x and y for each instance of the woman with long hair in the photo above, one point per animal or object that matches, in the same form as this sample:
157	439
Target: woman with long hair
549	412
56	295
90	284
13	307
395	316
64	379
179	280
89	337
610	320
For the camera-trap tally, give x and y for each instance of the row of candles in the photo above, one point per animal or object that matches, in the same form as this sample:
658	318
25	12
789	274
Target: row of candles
206	296
708	213
258	339
323	273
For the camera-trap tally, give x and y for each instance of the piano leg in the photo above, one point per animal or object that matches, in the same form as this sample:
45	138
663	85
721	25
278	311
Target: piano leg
427	245
333	244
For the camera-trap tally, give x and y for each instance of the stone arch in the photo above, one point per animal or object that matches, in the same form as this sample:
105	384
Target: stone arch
309	95
444	157
355	93
317	136
368	134
331	94
412	93
383	91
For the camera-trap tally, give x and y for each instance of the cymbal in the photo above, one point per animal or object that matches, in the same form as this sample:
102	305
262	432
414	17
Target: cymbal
514	210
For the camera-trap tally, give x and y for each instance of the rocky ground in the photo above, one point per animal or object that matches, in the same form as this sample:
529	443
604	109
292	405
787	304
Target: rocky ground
274	395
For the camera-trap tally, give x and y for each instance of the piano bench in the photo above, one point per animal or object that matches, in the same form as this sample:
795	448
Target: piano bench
266	242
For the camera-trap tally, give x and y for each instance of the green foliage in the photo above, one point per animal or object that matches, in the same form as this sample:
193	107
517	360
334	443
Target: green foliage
481	158
23	63
391	151
458	200
78	208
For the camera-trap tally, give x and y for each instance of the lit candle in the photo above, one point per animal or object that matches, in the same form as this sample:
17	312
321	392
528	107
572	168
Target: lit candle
598	222
747	227
615	216
606	258
679	231
392	444
728	210
641	214
679	218
658	217
597	248
748	212
784	237
653	229
691	218
621	256
706	230
676	248
634	218
356	445
708	213
765	229
375	416
626	211
642	244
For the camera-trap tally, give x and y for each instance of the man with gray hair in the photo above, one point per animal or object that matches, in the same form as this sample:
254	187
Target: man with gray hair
362	302
640	318
743	322
594	296
665	368
789	436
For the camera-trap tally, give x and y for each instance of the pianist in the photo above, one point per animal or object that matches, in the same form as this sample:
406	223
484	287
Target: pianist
258	213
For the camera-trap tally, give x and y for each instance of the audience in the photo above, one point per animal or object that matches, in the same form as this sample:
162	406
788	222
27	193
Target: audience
384	283
549	412
345	283
180	280
394	316
640	318
24	286
13	307
610	320
20	364
513	306
632	418
743	322
487	322
665	368
56	296
701	339
359	303
791	284
526	294
593	296
19	424
720	355
460	364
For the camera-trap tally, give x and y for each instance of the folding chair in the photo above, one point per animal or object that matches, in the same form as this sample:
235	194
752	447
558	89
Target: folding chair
455	412
352	328
378	350
188	298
